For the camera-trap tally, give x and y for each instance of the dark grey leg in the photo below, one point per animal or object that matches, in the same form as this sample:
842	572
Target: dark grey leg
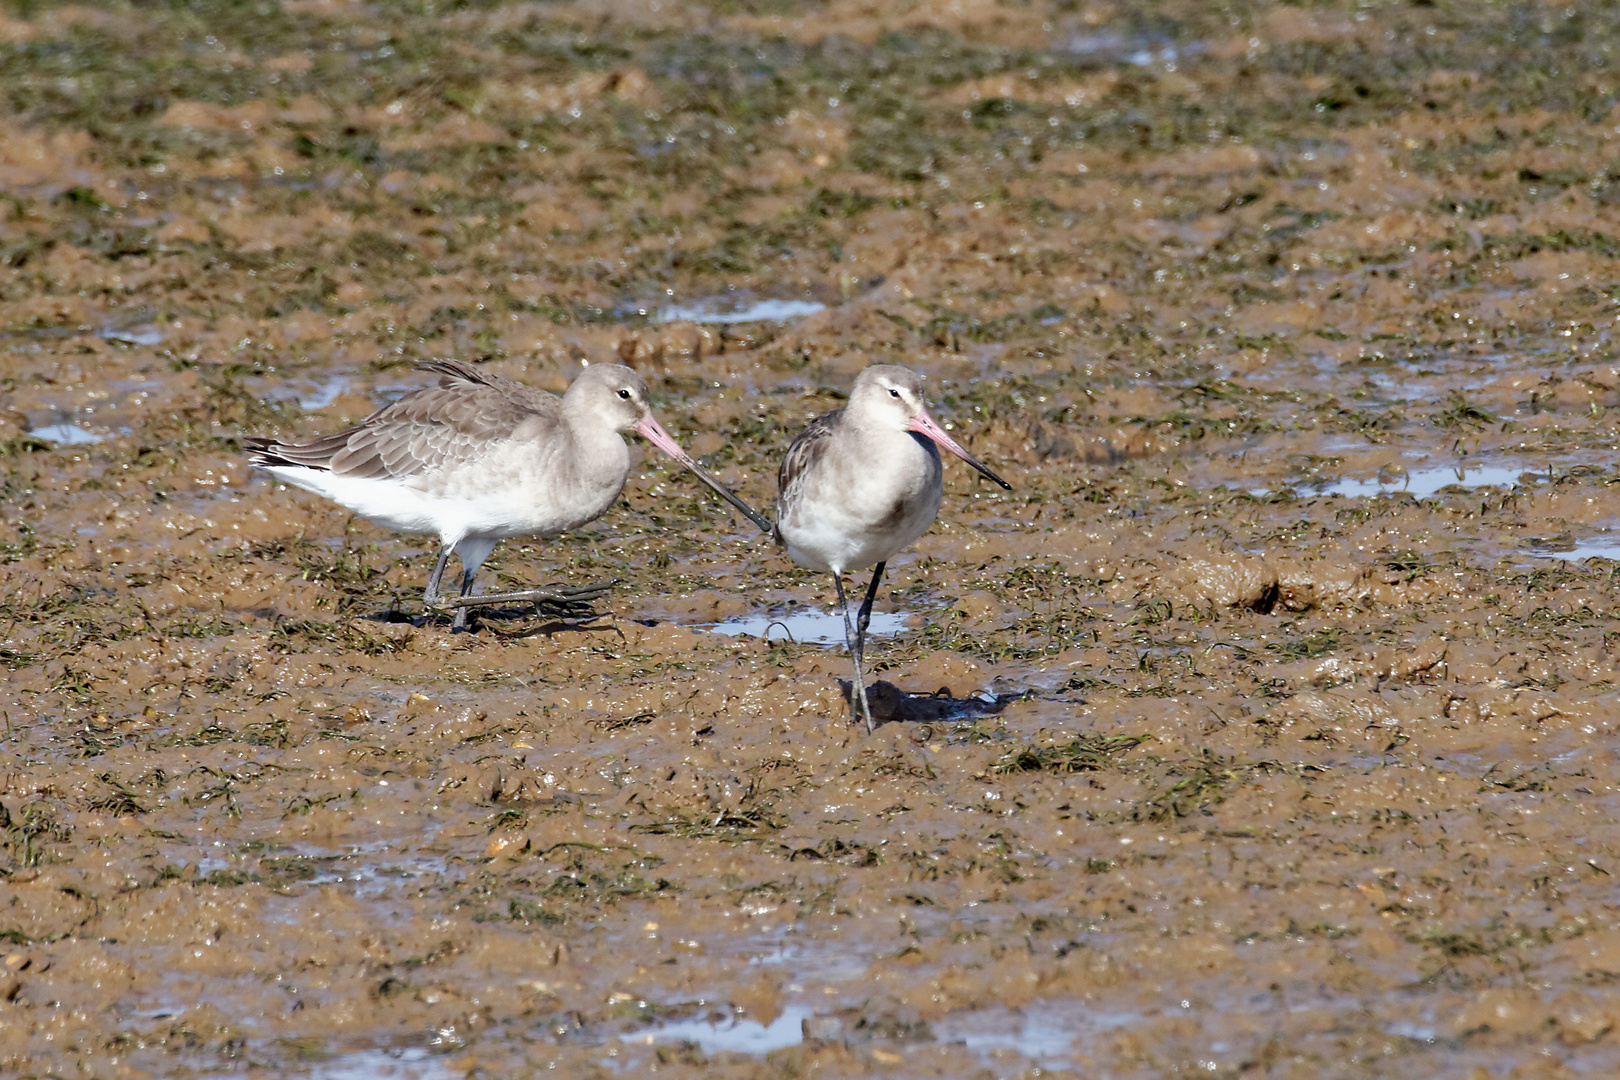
866	606
857	695
431	597
459	623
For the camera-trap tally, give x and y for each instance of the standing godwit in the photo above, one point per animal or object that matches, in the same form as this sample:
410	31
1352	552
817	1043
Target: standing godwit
861	484
479	458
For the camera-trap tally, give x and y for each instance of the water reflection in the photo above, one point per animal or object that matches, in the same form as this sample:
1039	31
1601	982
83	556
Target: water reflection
808	627
406	1063
1596	548
720	309
66	434
323	393
742	1036
138	335
1422	483
1046	1032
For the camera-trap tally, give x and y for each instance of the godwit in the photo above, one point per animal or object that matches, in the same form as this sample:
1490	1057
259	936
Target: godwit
861	484
479	458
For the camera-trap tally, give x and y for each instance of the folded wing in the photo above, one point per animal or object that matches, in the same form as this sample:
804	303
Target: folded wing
423	432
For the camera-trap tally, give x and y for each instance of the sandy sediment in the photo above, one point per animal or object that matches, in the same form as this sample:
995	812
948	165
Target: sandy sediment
1263	729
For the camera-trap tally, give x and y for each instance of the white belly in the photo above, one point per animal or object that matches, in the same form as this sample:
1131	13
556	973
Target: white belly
496	512
839	527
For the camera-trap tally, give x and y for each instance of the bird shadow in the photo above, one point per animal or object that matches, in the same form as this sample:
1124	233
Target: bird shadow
558	617
892	705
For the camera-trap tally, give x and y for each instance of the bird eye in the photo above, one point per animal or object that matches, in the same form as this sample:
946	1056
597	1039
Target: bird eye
894	393
624	394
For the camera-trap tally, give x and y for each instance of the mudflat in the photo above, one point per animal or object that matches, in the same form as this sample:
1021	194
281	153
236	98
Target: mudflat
1262	730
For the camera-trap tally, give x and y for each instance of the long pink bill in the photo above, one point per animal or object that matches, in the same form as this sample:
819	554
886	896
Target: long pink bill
648	429
923	424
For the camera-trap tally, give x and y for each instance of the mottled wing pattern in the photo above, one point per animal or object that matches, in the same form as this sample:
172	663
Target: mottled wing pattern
801	457
423	431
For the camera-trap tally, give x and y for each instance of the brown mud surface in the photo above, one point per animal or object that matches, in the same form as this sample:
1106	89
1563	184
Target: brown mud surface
1262	730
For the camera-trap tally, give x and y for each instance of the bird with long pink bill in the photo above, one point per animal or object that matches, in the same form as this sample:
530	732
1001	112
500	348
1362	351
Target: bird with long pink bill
859	485
480	458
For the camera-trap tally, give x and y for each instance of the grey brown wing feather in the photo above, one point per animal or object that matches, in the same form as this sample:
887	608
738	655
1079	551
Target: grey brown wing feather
451	372
801	457
423	431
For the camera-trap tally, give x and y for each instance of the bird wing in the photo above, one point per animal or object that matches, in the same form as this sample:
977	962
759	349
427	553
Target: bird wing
801	457
422	432
806	448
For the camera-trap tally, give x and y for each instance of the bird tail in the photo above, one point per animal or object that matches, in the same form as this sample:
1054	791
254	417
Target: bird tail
270	453
454	371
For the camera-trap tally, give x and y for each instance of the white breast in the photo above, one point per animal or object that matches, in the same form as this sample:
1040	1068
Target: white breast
863	504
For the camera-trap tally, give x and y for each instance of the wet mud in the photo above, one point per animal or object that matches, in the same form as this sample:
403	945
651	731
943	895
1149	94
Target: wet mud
1266	728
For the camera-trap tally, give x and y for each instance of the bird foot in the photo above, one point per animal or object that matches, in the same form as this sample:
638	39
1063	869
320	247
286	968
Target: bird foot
883	702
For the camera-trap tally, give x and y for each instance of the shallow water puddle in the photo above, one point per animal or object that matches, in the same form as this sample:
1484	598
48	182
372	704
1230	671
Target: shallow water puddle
137	335
311	393
365	871
720	309
741	1036
1424	1032
373	878
1423	483
808	627
66	435
1596	548
1046	1033
323	393
406	1063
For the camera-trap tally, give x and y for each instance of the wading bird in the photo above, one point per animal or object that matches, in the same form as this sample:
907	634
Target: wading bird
480	458
861	484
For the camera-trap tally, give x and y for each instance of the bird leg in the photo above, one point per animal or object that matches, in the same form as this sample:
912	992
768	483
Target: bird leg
431	598
459	623
857	694
861	624
866	607
562	595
